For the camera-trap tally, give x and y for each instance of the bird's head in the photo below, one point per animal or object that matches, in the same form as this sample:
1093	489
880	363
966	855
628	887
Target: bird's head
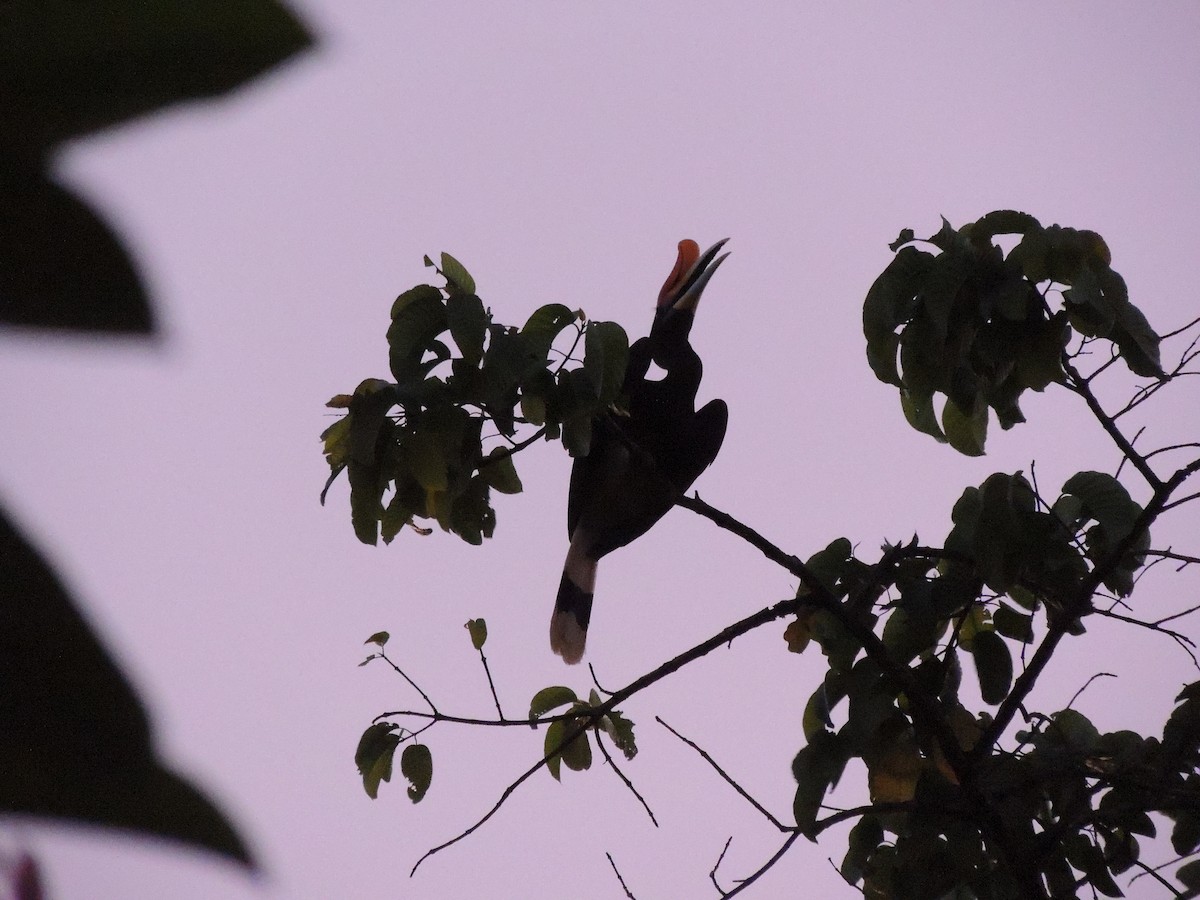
681	291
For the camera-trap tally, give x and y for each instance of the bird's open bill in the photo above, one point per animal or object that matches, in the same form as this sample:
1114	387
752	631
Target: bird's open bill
688	279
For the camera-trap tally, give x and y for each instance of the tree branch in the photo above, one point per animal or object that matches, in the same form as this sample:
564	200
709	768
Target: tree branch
733	784
1081	387
629	784
762	870
1075	607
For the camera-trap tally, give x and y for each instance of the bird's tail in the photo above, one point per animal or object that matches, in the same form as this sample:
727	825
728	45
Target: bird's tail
573	607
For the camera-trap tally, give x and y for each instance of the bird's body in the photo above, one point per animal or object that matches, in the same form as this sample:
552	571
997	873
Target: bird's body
641	459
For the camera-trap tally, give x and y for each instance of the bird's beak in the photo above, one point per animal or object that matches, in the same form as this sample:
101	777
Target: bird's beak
688	279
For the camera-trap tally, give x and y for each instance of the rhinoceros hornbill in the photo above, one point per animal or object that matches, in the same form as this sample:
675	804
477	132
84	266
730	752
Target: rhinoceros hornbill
642	459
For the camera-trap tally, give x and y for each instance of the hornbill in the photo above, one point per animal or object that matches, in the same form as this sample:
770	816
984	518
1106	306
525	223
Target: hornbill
643	459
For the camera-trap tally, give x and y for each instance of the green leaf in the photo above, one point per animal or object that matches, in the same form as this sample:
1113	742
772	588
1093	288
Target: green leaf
458	279
816	768
1001	221
554	736
374	755
1013	624
478	631
620	729
418	317
577	435
919	411
908	633
544	326
993	664
577	755
499	472
416	764
606	349
426	457
549	698
336	440
1106	500
379	637
1138	342
468	323
816	714
533	408
966	433
865	837
1074	729
1189	875
62	267
889	304
830	564
1185	835
472	517
1039	353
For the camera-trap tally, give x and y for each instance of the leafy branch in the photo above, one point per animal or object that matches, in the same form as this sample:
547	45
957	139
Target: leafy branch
963	330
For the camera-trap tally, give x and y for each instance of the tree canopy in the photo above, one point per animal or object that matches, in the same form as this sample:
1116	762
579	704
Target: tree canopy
970	790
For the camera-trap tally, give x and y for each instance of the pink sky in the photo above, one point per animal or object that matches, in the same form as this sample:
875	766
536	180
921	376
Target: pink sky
560	151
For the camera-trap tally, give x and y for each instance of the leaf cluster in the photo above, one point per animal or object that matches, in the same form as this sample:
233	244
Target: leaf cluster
566	740
413	447
974	324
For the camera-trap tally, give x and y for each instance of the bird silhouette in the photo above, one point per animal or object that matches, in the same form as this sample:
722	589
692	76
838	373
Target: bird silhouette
643	458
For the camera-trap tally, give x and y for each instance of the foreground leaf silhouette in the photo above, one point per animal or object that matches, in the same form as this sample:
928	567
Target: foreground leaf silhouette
76	742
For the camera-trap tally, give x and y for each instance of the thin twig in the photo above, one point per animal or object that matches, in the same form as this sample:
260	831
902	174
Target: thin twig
1182	500
1086	684
733	784
1188	446
1171	334
488	672
712	873
508	792
383	655
1181	639
617	872
1178	615
1107	423
787	845
629	784
587	718
1149	870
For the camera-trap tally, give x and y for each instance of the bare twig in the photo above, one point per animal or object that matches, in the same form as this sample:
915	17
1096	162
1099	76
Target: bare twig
617	872
1086	685
1080	385
1153	873
1182	640
383	655
762	870
1191	324
588	718
1182	500
1178	615
712	874
508	792
491	684
733	784
629	784
1188	446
